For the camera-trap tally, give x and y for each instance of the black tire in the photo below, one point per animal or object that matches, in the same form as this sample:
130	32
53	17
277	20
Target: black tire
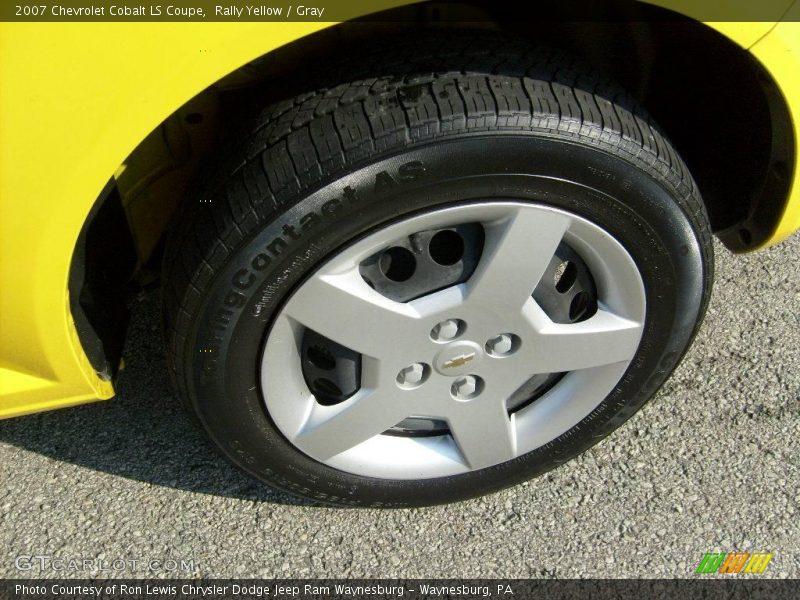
363	153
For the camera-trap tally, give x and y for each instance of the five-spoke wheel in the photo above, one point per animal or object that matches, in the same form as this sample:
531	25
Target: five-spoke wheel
463	356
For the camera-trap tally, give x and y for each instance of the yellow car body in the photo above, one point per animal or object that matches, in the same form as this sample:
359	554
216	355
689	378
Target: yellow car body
77	98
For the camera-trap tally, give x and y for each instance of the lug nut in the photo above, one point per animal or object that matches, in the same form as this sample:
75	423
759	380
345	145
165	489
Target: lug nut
502	345
467	387
412	375
448	330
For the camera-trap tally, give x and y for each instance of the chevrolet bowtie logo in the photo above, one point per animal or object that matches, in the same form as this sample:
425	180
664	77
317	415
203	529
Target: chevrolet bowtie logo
458	361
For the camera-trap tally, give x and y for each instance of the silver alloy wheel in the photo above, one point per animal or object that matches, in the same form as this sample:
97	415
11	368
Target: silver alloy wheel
464	381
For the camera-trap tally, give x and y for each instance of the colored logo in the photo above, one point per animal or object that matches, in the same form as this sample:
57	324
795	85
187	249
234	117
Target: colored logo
734	562
459	361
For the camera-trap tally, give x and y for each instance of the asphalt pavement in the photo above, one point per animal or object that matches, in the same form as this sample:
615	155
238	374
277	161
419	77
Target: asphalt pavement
710	464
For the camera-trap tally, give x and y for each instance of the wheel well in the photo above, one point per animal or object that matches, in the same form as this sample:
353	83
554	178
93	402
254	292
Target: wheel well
719	107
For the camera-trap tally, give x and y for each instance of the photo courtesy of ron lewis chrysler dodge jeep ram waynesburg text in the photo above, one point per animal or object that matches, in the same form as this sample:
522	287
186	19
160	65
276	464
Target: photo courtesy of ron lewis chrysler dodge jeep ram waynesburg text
405	258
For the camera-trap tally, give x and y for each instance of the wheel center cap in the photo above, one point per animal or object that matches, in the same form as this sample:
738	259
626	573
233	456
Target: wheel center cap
458	358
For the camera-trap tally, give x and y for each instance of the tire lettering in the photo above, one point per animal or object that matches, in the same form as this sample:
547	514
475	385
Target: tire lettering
309	221
331	207
234	300
383	181
411	171
260	261
244	279
277	246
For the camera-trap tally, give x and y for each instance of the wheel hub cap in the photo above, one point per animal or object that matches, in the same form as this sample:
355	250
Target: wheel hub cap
535	318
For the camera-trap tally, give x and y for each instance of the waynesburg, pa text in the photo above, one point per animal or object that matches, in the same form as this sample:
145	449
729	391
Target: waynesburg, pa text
274	590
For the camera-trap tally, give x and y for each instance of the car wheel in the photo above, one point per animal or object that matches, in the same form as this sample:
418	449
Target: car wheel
409	290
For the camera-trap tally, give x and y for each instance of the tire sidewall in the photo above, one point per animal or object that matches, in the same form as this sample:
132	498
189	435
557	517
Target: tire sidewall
633	202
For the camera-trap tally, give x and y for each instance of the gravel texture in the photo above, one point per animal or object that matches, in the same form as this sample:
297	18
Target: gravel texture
711	464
